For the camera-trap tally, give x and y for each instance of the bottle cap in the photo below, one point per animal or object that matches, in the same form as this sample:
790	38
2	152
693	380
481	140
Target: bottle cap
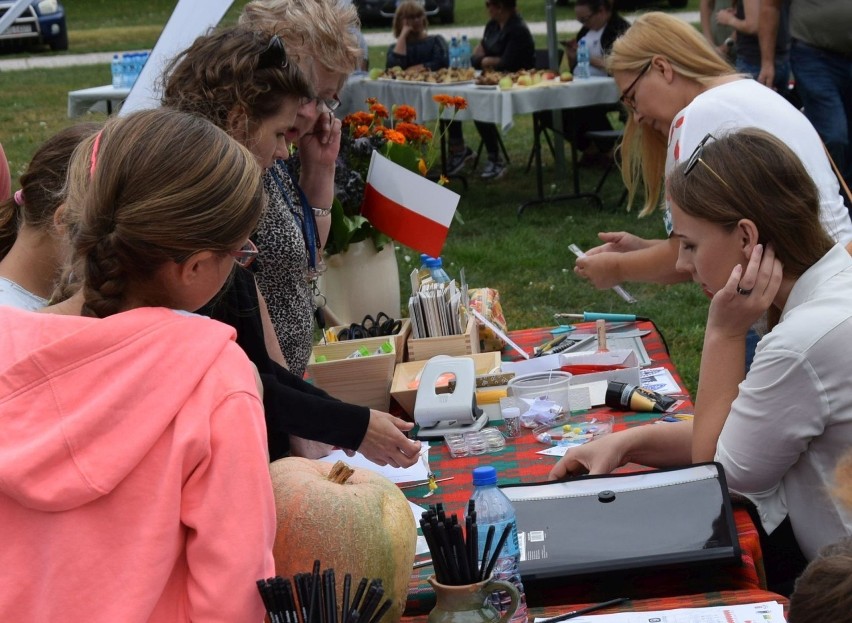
386	347
486	475
511	412
321	358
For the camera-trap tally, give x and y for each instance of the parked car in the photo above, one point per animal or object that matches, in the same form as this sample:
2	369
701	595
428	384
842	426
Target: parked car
443	11
42	22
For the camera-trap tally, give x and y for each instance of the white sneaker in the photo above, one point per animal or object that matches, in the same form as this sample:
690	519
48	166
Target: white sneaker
459	161
494	170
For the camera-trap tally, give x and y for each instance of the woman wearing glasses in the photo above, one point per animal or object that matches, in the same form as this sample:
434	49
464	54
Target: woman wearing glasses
245	82
319	37
676	89
746	224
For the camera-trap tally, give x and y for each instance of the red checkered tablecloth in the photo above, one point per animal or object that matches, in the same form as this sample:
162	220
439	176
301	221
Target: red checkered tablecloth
650	590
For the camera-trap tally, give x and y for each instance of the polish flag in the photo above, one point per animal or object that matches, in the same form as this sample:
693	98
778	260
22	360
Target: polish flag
407	206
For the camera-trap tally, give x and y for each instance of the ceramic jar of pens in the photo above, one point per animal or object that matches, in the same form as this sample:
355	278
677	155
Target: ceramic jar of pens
470	603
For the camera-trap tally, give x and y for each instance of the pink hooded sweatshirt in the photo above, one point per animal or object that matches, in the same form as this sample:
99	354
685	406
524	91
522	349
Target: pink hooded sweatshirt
134	483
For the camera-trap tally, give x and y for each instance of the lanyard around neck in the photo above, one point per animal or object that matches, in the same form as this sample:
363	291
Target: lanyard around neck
307	221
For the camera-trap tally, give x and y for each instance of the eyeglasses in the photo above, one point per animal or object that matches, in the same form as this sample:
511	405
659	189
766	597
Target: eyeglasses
324	104
245	255
626	98
695	158
274	55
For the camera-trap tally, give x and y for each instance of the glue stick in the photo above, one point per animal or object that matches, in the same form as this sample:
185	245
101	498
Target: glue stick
633	398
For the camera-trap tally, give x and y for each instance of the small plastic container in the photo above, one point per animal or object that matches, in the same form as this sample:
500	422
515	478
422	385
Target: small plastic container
541	396
457	445
575	430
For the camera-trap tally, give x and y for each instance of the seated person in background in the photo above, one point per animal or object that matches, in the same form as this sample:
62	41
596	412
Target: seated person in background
824	591
745	214
415	48
139	488
30	245
602	25
506	45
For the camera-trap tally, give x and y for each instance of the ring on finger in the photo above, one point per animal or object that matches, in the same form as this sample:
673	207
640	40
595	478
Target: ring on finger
744	291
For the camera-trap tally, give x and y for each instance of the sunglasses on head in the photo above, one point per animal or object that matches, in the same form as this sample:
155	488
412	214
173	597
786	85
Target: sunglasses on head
695	158
274	55
246	254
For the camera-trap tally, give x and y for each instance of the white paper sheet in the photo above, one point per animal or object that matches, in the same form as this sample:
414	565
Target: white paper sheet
659	380
765	612
395	474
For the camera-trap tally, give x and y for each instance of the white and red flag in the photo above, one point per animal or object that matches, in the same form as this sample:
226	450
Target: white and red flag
407	206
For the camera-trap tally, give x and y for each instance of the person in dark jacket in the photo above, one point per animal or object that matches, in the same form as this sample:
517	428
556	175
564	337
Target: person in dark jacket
506	45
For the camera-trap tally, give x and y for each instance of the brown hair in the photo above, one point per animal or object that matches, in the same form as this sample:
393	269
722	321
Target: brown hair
643	151
41	185
407	9
322	31
231	69
764	181
152	187
824	590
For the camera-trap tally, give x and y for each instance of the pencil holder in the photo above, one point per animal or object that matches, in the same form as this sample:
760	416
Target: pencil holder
470	603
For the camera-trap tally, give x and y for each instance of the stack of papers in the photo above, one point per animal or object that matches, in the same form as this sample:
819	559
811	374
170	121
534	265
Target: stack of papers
436	309
765	612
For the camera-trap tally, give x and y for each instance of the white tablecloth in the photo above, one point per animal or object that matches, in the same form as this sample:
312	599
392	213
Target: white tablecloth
95	98
483	103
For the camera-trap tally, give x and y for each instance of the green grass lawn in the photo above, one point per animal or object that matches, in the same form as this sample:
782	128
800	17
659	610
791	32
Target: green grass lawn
526	259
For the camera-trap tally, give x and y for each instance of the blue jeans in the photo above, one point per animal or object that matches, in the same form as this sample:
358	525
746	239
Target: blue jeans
782	72
824	82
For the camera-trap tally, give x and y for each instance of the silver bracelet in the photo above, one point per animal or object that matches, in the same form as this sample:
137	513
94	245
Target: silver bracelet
322	212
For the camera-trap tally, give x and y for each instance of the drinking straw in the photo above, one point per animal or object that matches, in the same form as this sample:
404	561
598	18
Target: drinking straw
367	611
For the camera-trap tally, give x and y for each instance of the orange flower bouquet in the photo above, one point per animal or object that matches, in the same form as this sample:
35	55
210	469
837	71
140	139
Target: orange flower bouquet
394	134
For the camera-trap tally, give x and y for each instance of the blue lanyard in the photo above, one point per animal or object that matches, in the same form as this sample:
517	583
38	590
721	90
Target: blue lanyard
307	222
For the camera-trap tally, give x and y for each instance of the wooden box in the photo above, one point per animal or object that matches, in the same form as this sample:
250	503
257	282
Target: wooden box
363	380
406	373
465	344
399	339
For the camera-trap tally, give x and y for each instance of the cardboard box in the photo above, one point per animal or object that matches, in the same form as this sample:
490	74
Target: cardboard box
399	339
465	344
406	373
362	381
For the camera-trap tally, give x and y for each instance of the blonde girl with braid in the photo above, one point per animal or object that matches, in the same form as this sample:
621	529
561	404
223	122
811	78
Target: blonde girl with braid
133	466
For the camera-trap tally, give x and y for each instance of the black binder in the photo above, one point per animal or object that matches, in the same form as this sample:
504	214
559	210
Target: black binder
595	524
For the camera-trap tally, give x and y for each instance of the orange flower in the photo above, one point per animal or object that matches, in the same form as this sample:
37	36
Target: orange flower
361	131
379	110
443	99
358	118
405	113
411	131
394	137
425	134
459	103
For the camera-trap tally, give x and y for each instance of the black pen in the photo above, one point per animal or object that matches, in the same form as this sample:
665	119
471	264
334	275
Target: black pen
586	610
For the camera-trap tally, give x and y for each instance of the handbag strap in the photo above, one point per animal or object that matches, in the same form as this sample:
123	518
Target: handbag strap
839	176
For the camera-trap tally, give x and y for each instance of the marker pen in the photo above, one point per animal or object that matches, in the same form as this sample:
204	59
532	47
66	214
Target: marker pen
633	398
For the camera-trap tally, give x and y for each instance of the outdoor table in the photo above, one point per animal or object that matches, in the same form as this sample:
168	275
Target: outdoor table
649	589
493	105
101	98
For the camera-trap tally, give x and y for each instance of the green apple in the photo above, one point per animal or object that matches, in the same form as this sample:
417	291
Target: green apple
566	76
524	80
375	72
505	82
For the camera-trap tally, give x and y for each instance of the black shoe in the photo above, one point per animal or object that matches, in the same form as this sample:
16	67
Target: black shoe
459	160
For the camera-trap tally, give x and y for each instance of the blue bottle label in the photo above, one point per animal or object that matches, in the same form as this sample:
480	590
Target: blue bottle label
511	548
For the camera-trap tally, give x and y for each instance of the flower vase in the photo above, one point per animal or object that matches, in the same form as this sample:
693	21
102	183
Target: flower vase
359	282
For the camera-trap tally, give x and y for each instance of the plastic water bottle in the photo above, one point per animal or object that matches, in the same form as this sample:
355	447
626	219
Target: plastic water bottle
116	68
436	269
465	52
454	53
493	508
582	70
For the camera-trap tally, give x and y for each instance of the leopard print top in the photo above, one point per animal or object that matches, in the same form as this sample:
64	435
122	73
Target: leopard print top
280	269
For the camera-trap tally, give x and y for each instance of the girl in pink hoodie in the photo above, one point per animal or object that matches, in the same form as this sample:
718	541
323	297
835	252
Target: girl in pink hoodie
133	475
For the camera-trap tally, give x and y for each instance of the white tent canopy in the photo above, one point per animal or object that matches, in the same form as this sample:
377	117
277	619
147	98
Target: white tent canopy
190	19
